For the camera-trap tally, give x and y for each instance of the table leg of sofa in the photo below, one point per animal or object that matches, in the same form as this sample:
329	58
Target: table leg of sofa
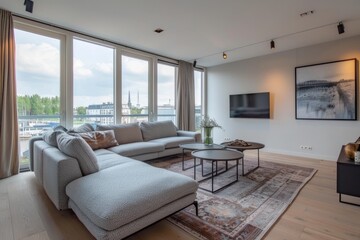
196	204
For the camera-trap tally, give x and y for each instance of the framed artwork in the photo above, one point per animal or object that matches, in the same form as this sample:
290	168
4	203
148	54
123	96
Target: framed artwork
326	91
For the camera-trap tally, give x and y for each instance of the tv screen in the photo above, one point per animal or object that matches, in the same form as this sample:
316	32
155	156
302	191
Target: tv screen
251	105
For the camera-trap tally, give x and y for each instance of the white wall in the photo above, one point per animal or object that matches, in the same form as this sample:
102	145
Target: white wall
275	73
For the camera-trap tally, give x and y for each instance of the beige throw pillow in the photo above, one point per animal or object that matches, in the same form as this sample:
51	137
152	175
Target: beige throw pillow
99	139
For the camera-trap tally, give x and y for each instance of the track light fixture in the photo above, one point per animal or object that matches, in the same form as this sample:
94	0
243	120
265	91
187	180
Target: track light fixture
194	64
29	4
272	44
224	55
341	28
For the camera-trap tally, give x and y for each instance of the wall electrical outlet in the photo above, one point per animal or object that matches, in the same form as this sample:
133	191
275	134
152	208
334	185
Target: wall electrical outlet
305	147
227	139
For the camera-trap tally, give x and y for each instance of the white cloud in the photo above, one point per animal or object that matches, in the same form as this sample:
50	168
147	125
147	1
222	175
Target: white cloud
135	66
41	59
106	68
80	70
165	70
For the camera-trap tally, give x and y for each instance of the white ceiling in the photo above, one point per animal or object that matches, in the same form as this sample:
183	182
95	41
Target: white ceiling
201	29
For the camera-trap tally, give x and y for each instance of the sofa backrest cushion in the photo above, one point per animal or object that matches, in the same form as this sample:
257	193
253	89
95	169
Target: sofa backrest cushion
76	147
124	133
50	137
60	127
155	130
86	127
99	139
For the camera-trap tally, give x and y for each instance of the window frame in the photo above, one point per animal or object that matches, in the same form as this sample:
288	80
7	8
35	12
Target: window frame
62	38
176	66
151	84
66	68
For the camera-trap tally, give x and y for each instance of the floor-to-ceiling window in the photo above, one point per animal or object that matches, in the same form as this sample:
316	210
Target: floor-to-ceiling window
93	81
135	89
38	67
70	84
166	76
199	82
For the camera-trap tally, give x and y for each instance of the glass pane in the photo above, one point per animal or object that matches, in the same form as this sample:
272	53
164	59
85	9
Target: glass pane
198	80
166	92
135	85
93	83
38	87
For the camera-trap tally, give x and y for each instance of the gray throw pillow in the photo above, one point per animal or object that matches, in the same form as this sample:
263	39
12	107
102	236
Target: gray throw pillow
155	130
76	147
86	127
124	133
50	137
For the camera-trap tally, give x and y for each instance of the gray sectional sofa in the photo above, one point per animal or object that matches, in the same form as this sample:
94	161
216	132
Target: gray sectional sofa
111	190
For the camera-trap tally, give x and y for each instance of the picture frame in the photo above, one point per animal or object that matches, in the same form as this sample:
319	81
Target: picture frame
326	91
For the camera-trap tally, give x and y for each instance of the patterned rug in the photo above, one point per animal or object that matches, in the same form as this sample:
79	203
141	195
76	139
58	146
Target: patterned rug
248	208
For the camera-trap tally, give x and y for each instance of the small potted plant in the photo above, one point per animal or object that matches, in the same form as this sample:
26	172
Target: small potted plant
208	124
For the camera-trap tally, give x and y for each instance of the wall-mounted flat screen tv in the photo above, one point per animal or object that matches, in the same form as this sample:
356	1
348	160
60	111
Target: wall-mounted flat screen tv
250	105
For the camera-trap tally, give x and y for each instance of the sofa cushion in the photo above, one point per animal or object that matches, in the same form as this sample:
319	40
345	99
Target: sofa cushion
173	142
50	137
121	194
76	147
86	127
99	139
137	148
124	133
106	158
61	128
155	130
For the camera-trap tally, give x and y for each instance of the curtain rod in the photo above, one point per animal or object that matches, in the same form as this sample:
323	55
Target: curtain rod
91	36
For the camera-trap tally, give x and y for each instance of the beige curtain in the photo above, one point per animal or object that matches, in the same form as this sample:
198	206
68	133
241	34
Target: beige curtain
185	97
9	150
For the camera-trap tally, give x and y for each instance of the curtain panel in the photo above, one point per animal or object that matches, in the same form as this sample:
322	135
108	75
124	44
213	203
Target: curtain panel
9	144
185	97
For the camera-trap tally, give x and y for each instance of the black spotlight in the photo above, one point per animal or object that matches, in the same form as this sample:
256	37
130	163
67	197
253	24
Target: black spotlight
194	64
341	28
29	5
272	44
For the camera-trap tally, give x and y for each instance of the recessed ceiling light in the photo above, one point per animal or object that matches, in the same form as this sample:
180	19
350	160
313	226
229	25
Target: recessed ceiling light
158	30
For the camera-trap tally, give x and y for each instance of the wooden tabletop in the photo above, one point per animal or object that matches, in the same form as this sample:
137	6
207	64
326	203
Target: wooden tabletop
252	145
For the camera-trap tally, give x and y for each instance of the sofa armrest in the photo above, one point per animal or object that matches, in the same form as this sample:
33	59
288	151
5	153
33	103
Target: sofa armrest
195	135
58	171
31	151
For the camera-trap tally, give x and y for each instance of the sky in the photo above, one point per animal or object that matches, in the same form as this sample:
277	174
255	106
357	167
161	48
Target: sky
38	72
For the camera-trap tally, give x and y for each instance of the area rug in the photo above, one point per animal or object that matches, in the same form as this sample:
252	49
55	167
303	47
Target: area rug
248	208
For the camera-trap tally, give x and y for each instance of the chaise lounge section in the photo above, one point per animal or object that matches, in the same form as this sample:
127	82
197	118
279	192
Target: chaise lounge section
112	193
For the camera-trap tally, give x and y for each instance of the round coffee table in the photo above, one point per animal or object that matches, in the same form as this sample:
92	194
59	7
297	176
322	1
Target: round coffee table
196	146
252	146
214	156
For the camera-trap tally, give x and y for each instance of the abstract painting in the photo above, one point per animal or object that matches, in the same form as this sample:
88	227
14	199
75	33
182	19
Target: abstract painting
326	91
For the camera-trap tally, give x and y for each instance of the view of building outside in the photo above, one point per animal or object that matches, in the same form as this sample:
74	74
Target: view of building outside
166	92
93	83
38	87
135	89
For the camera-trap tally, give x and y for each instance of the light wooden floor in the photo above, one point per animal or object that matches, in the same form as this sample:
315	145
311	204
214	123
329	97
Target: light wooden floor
27	213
